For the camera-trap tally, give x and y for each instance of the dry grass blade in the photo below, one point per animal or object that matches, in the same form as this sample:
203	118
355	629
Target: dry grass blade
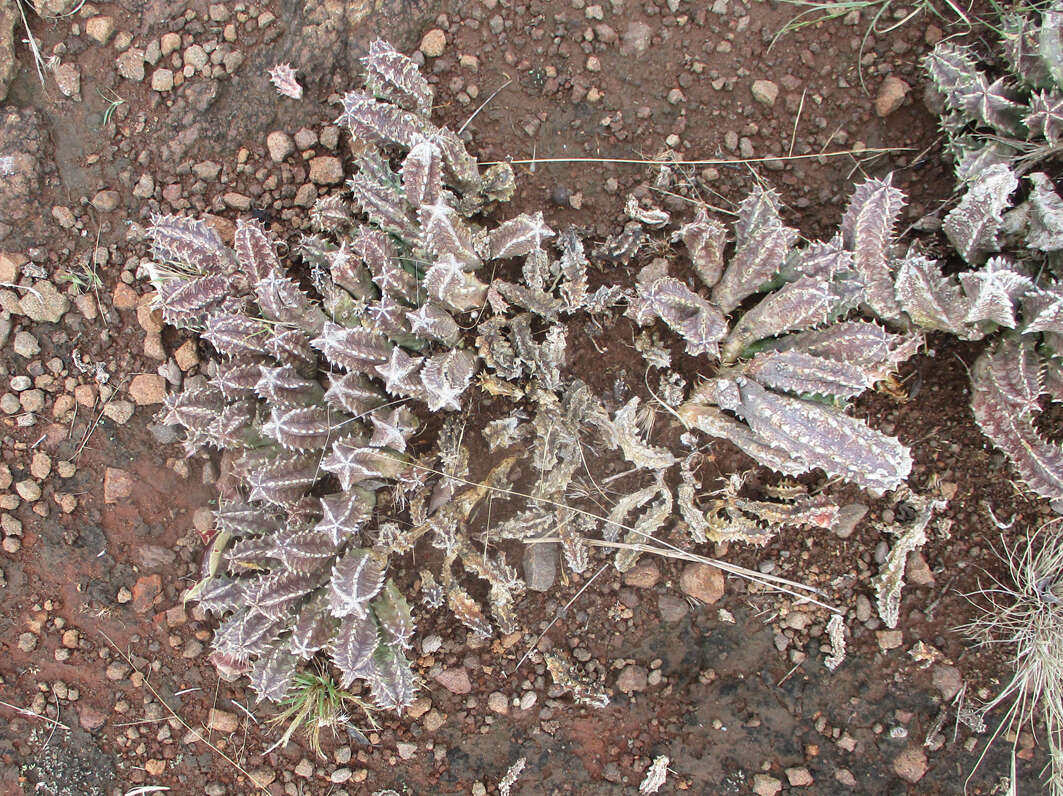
1026	615
708	162
790	587
38	59
30	714
315	702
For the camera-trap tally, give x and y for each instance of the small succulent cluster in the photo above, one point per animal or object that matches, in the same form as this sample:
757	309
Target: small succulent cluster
791	361
1014	119
1008	225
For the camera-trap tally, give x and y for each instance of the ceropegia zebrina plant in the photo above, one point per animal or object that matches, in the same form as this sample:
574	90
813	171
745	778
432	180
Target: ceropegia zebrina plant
324	384
791	361
316	393
321	384
1020	307
1008	224
1008	115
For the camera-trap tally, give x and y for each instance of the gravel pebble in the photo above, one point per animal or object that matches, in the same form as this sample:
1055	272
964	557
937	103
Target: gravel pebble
672	608
456	681
911	764
130	64
636	39
848	518
117	485
106	200
643	575
121	412
147	388
68	80
162	80
46	305
948	680
540	565
889	639
434	43
145	591
29	490
326	170
703	582
26	346
799	777
280	145
632	679
498	703
434	720
100	29
222	721
891	96
196	57
764	785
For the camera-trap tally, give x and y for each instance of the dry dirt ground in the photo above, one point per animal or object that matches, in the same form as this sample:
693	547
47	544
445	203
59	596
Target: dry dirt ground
155	106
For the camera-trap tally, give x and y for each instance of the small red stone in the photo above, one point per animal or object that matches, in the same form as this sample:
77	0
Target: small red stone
117	485
145	591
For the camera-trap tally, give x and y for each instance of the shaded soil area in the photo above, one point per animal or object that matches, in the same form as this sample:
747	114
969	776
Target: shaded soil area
103	517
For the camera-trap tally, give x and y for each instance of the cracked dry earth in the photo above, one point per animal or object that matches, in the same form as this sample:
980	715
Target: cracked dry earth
152	106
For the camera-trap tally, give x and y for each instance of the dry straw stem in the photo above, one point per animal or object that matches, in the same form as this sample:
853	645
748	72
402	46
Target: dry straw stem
1026	615
30	714
31	41
196	733
708	162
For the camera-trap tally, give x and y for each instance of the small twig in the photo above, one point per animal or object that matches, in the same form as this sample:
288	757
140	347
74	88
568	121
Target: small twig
27	288
250	715
786	676
698	202
92	428
771	581
54	723
657	398
38	59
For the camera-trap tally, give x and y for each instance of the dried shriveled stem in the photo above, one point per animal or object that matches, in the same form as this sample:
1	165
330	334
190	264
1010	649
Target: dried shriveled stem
793	588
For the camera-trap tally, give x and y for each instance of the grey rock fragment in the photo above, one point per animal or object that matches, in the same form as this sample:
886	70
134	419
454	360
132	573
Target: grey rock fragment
540	566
